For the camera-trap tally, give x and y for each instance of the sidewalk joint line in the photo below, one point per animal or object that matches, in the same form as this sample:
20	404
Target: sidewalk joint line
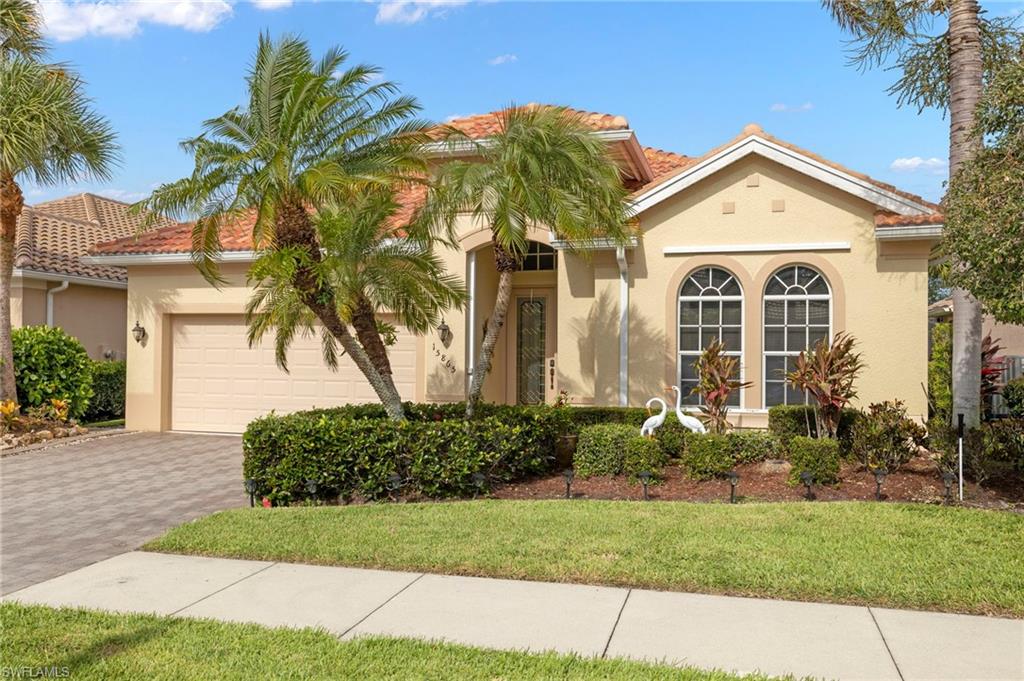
886	643
214	593
389	599
615	626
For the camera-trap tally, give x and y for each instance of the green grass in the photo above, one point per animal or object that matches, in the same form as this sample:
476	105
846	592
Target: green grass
112	423
896	555
94	645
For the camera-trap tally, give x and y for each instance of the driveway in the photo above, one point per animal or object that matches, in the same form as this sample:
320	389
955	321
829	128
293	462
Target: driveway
66	507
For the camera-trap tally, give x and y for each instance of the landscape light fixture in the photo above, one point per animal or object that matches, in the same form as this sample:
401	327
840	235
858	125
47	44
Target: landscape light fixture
948	479
479	479
394	482
734	479
568	475
139	332
807	478
311	488
250	489
645	480
880	474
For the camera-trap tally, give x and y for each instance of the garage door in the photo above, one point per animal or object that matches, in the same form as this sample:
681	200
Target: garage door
220	384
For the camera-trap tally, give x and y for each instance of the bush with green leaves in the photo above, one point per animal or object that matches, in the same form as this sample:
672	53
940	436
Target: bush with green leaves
108	383
643	454
601	449
886	437
993	451
51	365
708	455
940	372
818	456
751	446
1013	397
786	421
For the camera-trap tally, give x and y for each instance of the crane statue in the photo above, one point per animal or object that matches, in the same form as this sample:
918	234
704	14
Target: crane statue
656	421
688	421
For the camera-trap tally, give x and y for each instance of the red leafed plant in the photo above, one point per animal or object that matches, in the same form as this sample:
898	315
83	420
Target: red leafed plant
991	371
827	374
716	375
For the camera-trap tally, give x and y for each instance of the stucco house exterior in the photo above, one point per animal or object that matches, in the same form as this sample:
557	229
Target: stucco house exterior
759	242
53	286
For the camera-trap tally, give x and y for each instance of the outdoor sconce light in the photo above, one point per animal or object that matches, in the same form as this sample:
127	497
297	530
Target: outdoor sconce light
645	480
880	474
568	475
445	332
807	478
479	479
250	489
948	479
139	332
734	479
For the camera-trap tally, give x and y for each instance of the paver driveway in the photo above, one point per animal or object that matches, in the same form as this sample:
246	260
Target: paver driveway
66	507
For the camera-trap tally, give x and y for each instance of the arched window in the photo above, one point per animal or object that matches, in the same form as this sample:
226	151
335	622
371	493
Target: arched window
538	257
710	307
797	314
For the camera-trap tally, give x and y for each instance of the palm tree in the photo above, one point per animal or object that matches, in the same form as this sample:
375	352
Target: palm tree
948	71
48	134
371	262
543	167
313	133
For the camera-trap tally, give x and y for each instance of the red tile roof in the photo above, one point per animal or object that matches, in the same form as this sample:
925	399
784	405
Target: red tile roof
887	219
479	126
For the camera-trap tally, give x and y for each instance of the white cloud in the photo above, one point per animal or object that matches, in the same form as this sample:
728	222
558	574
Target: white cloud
412	11
72	19
452	117
790	108
503	59
272	4
913	164
125	195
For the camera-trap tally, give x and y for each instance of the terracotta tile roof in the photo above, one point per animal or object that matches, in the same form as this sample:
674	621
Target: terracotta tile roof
177	238
54	235
484	125
887	219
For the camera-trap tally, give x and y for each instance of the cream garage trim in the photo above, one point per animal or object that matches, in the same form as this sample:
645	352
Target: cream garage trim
163	258
784	156
757	248
220	384
907	232
620	258
70	278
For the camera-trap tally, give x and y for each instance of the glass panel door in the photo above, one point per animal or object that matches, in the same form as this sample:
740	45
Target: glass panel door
530	350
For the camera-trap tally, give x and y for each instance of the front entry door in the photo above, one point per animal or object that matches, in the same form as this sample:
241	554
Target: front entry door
533	347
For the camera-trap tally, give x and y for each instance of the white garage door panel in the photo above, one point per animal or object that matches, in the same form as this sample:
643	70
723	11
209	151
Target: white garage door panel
219	384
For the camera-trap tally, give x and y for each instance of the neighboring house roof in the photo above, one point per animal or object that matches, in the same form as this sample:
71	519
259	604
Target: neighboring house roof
941	309
668	171
53	236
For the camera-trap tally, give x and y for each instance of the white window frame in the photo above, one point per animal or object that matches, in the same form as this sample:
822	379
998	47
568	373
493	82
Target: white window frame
765	297
693	354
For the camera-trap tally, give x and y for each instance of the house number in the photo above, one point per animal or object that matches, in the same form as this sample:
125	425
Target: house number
445	361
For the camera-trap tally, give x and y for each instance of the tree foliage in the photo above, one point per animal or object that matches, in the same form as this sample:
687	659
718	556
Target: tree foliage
827	373
718	379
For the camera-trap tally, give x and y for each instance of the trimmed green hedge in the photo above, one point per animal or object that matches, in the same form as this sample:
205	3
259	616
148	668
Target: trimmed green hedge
616	448
51	365
786	421
709	456
108	381
820	457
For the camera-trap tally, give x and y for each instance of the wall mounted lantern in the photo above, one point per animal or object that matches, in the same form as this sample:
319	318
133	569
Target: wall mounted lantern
445	332
139	332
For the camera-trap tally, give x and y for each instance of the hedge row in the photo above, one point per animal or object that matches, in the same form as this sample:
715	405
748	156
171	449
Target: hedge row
617	448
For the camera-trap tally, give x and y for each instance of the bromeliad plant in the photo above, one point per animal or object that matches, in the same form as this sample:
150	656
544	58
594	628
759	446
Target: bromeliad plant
717	381
827	373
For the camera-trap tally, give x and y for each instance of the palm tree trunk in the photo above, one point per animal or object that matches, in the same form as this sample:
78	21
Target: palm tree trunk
364	321
965	86
294	228
506	264
11	203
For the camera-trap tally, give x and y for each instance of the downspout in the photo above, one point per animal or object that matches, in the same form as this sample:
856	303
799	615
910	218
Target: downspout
50	293
471	317
620	257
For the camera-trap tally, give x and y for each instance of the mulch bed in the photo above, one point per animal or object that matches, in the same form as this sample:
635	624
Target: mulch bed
918	481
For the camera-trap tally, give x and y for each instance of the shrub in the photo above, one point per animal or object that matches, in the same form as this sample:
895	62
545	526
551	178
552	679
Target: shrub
672	437
940	376
819	456
601	449
643	454
751	446
886	438
708	455
108	381
347	455
1013	396
992	451
827	374
51	365
786	421
717	380
1003	446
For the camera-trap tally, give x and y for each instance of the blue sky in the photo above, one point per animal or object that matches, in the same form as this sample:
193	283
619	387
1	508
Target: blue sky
688	76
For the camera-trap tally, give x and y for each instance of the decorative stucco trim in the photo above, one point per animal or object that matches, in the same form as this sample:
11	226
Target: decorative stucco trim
758	248
620	258
791	159
908	232
163	258
71	279
592	245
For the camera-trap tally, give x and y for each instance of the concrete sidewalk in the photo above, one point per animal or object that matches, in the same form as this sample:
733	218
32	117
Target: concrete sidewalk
737	634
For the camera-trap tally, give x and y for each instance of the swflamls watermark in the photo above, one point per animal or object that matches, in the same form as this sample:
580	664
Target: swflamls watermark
26	672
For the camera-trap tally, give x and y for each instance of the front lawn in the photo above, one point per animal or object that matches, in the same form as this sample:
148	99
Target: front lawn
94	645
894	555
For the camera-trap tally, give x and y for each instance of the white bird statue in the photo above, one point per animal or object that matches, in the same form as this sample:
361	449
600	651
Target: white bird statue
654	422
688	421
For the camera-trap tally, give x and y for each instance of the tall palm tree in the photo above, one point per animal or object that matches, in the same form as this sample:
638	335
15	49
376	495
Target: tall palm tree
543	167
313	133
48	134
371	262
947	70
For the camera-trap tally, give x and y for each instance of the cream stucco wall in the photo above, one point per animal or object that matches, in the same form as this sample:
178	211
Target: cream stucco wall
95	315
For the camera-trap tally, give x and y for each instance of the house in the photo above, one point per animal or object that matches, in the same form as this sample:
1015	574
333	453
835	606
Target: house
53	286
1009	336
759	242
